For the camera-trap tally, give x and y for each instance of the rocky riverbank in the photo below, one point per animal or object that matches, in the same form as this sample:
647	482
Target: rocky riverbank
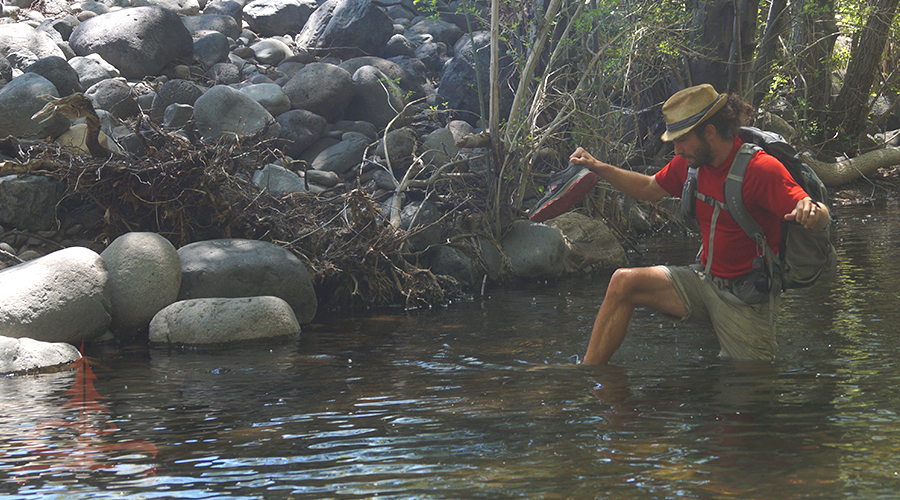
218	171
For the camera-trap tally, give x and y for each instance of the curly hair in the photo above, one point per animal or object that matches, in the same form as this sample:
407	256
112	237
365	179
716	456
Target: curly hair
733	115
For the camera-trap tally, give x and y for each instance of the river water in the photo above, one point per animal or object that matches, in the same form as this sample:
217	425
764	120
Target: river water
447	403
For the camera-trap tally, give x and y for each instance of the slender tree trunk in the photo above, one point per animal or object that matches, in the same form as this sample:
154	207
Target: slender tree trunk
775	24
725	42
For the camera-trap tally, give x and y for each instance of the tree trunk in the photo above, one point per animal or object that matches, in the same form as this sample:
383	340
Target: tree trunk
847	119
814	35
844	171
725	41
775	24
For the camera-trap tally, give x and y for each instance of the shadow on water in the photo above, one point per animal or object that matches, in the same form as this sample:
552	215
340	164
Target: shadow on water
449	403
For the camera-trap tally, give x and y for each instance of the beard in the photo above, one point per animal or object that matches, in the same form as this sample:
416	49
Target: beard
702	155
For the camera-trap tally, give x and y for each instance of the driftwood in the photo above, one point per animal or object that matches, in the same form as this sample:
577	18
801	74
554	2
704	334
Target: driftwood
848	170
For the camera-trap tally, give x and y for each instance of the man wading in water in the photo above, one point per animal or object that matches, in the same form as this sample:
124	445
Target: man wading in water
702	123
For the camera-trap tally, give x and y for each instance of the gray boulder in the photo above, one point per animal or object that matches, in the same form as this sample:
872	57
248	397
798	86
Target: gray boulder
27	355
453	262
211	48
223	73
324	89
376	98
278	180
534	250
90	70
230	8
144	277
278	17
20	99
299	130
59	73
347	28
590	245
342	156
440	31
181	7
224	111
22	37
139	41
398	45
246	268
173	92
271	51
460	75
221	320
61	297
432	54
439	147
394	72
114	95
401	148
269	96
29	203
224	24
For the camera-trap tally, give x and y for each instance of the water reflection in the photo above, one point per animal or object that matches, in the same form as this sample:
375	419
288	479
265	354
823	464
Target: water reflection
448	403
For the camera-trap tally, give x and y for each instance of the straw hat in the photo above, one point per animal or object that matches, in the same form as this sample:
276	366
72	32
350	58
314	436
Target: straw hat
688	107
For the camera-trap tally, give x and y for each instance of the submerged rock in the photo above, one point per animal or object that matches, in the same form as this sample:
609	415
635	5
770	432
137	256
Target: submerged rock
219	320
28	355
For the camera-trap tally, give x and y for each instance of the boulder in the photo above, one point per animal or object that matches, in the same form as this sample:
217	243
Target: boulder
224	111
231	8
590	245
271	51
223	73
394	72
144	277
221	320
324	89
401	148
342	156
90	70
376	98
440	31
246	268
114	95
15	37
211	48
139	41
27	355
23	97
61	297
59	73
346	28
173	92
278	180
534	250
181	7
439	147
278	17
451	261
29	202
224	24
299	130
460	75
398	45
269	96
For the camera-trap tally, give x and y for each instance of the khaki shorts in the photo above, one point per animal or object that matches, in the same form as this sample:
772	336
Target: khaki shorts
744	331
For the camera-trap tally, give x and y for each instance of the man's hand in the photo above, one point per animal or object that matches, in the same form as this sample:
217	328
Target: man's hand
583	158
810	214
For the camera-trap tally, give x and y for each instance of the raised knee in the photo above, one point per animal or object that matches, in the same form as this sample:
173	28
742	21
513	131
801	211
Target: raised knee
621	284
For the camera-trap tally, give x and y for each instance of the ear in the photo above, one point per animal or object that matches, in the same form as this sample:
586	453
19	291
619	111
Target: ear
709	132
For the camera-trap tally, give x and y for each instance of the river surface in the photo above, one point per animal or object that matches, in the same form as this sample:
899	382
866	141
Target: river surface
447	403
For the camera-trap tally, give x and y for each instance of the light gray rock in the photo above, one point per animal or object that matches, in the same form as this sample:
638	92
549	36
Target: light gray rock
211	48
93	6
299	130
224	24
278	17
269	96
398	45
324	89
90	70
344	155
61	297
460	129
590	245
347	28
279	180
230	8
439	147
271	51
59	73
394	72
246	268
20	99
376	98
29	203
534	250
139	41
182	7
177	115
221	320
114	95
224	111
20	36
26	355
144	277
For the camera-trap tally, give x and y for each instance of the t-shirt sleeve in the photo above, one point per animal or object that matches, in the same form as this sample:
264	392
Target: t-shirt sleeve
771	186
672	176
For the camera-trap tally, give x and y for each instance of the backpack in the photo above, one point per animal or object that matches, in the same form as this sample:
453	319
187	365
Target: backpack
804	253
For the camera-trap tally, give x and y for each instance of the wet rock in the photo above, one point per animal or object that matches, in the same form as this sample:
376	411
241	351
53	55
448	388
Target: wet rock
590	245
224	111
451	261
534	250
278	17
376	98
29	203
300	129
139	41
224	24
61	297
221	320
347	28
59	73
211	48
144	277
324	89
28	355
22	37
269	96
246	268
343	156
20	99
114	95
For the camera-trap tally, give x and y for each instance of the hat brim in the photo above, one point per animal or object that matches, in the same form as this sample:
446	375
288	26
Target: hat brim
669	136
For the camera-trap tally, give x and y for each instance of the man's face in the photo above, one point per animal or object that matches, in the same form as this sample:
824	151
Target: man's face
694	148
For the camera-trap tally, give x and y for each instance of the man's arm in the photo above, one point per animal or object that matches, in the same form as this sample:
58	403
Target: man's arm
634	184
811	214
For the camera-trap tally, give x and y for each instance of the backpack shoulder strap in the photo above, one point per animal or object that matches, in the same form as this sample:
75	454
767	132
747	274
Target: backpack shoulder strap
732	191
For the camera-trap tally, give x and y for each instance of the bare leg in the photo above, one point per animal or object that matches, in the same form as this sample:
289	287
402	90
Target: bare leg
628	289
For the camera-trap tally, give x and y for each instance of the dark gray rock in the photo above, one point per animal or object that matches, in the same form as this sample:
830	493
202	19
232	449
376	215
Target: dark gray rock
230	8
114	95
460	82
440	31
173	92
211	48
401	148
347	28
224	111
62	25
278	180
29	203
60	74
224	24
395	72
534	250
278	17
139	41
324	89
5	69
453	262
19	100
299	130
421	217
177	115
245	268
376	98
398	45
359	126
432	54
343	156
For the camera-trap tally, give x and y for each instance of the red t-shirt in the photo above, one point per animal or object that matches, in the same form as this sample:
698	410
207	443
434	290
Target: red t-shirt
769	194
